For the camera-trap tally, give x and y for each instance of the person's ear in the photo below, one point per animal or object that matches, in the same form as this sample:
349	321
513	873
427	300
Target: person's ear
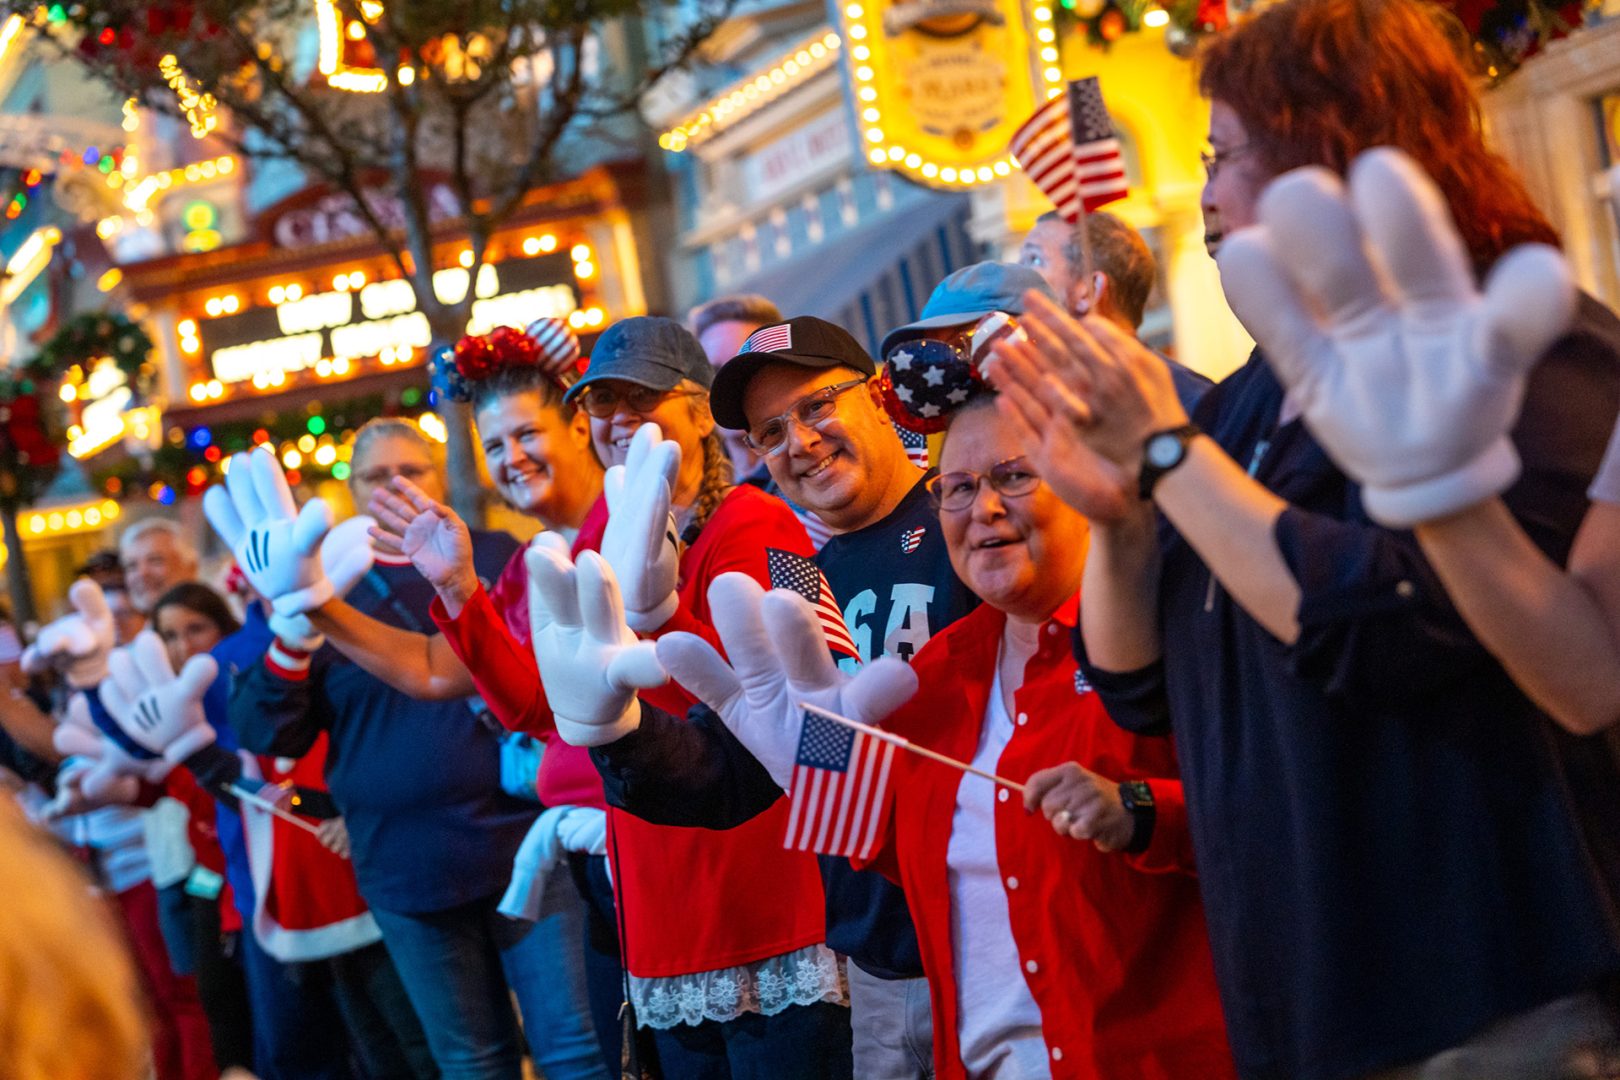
1092	300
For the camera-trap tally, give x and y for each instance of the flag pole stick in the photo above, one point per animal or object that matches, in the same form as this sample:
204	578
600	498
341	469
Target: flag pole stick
272	809
1088	260
907	744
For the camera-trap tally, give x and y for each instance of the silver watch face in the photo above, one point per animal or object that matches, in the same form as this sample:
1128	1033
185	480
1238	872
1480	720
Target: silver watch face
1162	450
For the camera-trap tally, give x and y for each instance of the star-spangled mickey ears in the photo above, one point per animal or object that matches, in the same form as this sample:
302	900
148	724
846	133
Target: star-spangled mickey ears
547	343
925	381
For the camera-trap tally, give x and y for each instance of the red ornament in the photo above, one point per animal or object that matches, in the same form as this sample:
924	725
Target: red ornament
1111	24
475	359
513	347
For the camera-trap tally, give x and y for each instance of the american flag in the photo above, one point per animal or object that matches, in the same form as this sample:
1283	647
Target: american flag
790	571
916	444
840	779
778	338
1069	149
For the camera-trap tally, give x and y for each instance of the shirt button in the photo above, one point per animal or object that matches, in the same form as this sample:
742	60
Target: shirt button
1012	883
1057	1053
1051	628
1023	718
1002	794
1405	589
1031	966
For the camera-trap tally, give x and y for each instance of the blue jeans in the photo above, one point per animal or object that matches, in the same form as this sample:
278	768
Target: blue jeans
458	966
802	1042
294	1037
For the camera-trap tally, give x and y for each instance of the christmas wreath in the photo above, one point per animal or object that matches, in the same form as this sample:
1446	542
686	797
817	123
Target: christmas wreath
107	333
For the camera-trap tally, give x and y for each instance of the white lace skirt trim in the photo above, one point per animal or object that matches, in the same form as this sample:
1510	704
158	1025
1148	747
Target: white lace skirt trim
802	977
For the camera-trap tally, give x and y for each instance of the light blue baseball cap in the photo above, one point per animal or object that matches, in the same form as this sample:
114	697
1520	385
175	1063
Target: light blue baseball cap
970	294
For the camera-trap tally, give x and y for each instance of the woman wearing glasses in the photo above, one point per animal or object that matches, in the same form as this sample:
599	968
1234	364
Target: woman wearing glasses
722	933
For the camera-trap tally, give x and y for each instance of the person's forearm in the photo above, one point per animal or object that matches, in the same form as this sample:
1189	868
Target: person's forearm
1229	519
27	725
455	593
420	665
1547	628
1119	612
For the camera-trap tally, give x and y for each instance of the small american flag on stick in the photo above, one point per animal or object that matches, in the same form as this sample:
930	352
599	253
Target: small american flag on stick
840	780
1069	150
791	571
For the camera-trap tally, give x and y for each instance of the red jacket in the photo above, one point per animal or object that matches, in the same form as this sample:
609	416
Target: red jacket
1113	946
691	900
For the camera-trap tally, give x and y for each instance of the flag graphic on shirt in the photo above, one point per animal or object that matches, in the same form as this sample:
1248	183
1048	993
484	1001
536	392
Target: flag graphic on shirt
840	778
790	571
916	444
778	338
912	539
1069	150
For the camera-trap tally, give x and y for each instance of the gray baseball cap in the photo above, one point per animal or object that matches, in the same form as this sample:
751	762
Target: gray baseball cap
970	294
648	350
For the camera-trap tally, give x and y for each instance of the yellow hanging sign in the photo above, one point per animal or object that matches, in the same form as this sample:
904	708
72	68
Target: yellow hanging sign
940	86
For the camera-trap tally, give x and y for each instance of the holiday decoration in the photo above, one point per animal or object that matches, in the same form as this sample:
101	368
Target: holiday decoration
88	337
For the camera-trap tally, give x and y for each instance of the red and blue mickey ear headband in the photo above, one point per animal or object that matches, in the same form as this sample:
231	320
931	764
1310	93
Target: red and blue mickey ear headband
547	343
925	380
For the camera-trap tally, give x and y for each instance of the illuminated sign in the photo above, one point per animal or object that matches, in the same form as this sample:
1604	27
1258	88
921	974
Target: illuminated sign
939	86
260	343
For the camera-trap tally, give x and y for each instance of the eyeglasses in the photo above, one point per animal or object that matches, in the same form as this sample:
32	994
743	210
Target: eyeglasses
954	492
603	401
812	411
1212	158
383	473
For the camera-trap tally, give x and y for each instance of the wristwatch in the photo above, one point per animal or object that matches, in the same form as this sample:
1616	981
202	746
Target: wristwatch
1161	452
1136	796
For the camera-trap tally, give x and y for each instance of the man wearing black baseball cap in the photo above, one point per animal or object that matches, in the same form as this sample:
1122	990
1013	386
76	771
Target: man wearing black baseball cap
805	395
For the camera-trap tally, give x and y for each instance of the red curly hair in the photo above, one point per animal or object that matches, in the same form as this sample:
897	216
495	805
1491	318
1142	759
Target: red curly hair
1315	82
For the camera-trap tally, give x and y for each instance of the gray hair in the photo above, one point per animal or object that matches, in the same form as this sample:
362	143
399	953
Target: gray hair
737	308
144	528
392	427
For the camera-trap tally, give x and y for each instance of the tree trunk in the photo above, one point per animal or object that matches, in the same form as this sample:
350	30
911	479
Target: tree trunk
22	590
467	494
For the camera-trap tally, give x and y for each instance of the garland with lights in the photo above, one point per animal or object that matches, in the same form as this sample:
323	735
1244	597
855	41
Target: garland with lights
31	435
85	338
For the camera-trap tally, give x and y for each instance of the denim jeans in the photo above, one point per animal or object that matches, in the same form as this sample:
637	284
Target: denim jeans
459	965
893	1021
802	1042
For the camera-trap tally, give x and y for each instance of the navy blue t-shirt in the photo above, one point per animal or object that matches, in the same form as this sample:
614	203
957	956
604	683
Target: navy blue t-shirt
419	782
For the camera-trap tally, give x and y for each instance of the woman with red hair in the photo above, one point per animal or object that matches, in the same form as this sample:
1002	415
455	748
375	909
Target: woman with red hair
1395	878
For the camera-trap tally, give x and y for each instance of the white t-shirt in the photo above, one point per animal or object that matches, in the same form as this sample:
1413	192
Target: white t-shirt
998	1022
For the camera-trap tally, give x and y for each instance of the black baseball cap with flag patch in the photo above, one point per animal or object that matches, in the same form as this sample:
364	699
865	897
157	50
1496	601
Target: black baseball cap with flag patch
805	341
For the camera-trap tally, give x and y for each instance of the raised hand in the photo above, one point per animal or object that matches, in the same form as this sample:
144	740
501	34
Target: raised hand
159	710
779	658
428	533
86	784
346	557
274	542
1365	305
590	662
76	645
640	542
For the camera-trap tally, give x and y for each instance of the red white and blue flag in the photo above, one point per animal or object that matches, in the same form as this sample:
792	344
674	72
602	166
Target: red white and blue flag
840	781
778	338
791	571
1070	151
916	444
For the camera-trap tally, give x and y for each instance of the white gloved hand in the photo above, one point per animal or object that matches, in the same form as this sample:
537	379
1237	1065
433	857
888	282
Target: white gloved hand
77	644
1366	308
641	542
779	658
274	542
591	664
346	557
156	708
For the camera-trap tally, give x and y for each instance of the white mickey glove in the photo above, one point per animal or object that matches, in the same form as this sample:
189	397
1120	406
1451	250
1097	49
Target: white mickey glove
156	708
98	772
77	644
641	542
1365	306
346	557
274	542
590	662
779	658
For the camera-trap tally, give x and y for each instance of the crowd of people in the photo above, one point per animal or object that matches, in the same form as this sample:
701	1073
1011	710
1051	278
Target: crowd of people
1241	730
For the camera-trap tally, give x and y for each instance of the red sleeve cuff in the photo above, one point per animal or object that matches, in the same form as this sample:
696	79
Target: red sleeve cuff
287	662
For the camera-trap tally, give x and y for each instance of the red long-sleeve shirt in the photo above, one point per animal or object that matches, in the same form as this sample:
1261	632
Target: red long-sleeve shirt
692	900
1113	947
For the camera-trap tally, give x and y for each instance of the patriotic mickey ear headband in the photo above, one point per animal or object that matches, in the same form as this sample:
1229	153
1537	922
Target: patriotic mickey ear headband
925	380
547	344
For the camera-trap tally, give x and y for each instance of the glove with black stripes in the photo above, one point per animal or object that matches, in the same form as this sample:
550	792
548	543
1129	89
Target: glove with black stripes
160	711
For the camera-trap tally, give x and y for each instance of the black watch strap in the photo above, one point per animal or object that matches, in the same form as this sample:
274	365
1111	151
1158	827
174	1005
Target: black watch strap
1136	796
1156	463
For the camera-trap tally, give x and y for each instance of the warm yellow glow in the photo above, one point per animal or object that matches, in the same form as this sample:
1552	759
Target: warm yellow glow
531	246
68	393
30	258
292	459
584	270
325	456
804	60
465	259
306	444
187	327
1155	18
433	427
